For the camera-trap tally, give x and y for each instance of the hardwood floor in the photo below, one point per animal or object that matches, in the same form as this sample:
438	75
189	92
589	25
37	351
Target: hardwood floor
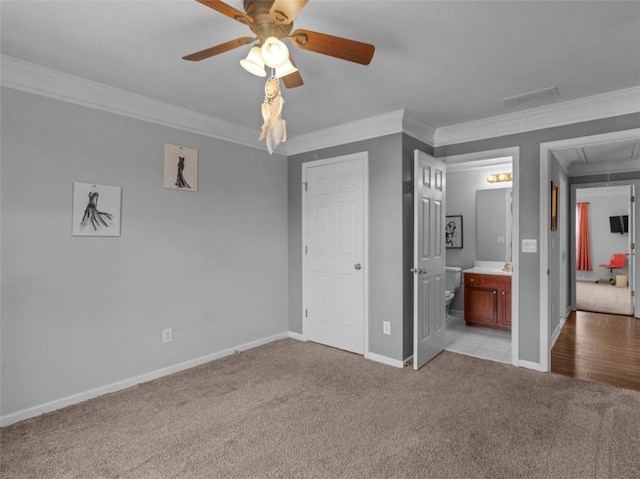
599	347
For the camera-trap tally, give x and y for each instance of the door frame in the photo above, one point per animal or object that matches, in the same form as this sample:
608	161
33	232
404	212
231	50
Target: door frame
545	158
631	262
482	158
363	156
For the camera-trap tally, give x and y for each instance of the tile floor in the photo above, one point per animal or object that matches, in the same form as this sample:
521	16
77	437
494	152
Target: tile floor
485	343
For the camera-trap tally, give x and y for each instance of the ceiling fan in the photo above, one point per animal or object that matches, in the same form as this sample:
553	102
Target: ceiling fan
273	19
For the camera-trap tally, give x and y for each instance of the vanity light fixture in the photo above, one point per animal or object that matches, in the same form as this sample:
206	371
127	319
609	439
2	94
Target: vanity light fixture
500	177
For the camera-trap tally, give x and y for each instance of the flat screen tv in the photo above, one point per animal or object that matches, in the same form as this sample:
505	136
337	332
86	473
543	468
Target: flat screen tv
619	224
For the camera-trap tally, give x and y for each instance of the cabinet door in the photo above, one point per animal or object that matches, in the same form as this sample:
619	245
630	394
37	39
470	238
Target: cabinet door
481	305
505	308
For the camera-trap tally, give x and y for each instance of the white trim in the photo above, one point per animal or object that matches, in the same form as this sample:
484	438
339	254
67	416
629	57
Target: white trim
478	157
400	121
418	129
364	157
530	365
39	80
615	103
379	358
545	155
634	272
545	350
296	336
12	418
556	333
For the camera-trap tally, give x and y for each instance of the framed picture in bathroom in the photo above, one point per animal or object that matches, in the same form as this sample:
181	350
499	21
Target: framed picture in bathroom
453	232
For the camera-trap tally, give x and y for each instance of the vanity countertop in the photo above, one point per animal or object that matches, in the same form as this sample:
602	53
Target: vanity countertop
489	267
494	271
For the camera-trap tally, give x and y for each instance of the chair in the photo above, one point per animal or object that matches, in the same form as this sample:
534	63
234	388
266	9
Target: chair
617	261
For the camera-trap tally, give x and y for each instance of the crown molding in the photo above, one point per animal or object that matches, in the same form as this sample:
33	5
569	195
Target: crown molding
400	121
33	78
418	129
360	130
620	102
30	77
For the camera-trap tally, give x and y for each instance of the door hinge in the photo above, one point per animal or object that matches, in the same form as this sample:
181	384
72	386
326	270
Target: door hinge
633	199
633	293
306	250
633	246
306	185
306	313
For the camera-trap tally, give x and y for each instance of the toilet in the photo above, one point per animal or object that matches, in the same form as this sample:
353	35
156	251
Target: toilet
452	284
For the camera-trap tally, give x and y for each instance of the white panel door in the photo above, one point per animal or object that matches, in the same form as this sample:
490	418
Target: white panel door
333	256
429	319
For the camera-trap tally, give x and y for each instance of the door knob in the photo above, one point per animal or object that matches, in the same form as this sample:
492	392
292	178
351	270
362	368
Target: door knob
357	266
423	270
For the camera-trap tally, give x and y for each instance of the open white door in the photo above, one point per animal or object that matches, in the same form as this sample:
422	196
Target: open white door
429	319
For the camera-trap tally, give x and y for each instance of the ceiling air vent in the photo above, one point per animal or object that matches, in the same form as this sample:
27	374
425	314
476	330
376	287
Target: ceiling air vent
538	96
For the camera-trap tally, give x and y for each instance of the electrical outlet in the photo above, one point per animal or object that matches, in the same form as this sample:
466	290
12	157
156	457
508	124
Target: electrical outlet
386	327
167	335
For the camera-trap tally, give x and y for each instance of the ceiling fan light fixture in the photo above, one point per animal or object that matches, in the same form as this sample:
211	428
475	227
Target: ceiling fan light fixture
286	69
274	53
253	63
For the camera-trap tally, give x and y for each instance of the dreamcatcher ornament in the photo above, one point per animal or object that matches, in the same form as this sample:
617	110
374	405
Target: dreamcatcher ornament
274	128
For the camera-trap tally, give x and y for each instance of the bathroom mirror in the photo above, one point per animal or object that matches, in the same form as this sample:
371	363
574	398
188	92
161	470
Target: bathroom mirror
493	224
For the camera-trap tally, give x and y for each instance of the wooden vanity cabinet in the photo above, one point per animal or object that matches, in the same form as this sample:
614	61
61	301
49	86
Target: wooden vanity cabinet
487	300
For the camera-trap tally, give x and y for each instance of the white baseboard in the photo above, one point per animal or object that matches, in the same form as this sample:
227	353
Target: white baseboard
385	360
530	365
12	418
298	336
458	313
556	333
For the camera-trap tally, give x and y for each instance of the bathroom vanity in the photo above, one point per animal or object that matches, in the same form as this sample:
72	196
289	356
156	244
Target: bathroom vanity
487	298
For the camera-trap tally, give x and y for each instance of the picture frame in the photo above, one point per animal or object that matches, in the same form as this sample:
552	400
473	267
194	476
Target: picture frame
180	168
554	206
96	209
453	232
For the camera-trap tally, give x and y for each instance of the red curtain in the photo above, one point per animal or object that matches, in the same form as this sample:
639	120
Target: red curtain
583	254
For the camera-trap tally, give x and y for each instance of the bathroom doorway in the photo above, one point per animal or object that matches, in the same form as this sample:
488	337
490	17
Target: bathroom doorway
482	194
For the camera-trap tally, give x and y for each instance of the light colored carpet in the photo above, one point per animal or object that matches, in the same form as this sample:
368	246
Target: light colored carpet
603	298
291	409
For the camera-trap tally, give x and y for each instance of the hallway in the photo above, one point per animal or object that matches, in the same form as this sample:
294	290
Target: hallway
599	347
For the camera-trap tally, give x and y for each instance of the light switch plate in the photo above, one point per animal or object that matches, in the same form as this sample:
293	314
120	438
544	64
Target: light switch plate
529	246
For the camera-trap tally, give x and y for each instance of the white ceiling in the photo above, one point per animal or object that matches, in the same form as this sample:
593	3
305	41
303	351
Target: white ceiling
447	62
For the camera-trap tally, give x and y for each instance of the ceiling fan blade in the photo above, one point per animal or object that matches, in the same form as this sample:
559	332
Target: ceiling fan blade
293	80
338	47
223	47
284	11
227	10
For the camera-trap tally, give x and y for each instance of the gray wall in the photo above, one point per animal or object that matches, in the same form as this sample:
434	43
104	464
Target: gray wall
79	313
529	203
385	238
555	253
604	202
